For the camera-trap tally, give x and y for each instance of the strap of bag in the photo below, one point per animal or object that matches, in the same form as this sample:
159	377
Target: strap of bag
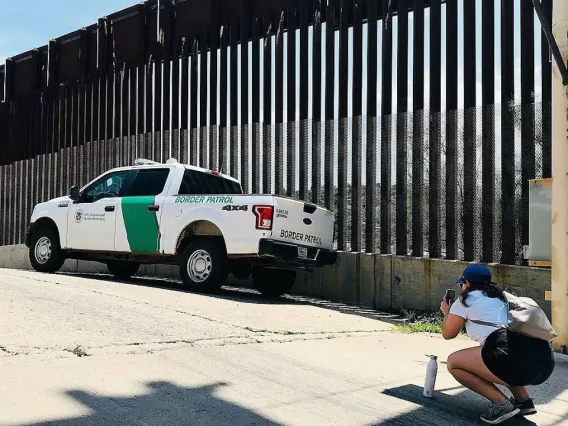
489	324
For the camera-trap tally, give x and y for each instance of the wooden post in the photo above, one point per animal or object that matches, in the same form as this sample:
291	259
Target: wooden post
559	293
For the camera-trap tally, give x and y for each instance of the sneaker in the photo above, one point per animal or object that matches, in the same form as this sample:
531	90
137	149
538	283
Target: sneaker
499	413
526	407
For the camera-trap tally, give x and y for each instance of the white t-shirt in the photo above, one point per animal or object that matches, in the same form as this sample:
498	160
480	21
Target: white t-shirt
481	308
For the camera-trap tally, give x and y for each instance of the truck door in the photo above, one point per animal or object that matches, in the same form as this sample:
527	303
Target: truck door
139	213
91	221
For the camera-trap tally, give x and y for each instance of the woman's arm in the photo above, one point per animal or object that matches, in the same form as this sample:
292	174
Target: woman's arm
452	324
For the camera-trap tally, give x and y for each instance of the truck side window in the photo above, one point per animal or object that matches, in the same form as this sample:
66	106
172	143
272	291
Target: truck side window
197	183
148	183
107	186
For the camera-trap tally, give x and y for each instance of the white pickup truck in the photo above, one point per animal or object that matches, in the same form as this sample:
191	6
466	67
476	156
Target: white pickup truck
171	213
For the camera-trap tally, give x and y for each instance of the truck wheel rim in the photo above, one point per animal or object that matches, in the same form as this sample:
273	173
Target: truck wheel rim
43	250
199	266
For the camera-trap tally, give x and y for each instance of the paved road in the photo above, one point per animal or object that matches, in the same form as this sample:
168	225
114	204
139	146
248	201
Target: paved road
90	351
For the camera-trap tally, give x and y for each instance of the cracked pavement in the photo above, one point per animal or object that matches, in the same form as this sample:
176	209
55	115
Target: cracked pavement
55	312
87	350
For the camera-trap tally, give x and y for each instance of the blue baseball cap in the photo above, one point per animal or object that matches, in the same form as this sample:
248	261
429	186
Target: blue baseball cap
476	275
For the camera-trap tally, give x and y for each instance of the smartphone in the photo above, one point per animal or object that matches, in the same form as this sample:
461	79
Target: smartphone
450	295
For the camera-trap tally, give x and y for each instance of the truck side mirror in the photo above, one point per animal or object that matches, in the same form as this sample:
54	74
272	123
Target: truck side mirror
74	193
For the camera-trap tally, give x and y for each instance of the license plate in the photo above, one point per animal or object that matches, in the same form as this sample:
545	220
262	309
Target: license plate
302	252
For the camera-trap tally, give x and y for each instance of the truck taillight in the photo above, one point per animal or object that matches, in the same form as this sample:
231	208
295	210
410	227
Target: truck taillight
264	216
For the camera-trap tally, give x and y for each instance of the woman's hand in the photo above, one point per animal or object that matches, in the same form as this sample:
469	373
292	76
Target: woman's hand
445	307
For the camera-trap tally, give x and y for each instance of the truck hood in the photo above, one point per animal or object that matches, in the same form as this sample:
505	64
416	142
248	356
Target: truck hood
53	201
57	200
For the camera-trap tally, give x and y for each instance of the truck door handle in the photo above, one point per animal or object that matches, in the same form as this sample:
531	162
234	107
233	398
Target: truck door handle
110	208
153	208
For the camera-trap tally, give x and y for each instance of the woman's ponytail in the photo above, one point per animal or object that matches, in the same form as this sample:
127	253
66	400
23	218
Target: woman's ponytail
488	288
495	292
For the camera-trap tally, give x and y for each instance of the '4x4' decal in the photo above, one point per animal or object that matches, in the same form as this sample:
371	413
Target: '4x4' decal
233	208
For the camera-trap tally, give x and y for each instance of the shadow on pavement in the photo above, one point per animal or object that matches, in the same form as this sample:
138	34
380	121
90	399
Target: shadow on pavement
165	404
463	408
247	295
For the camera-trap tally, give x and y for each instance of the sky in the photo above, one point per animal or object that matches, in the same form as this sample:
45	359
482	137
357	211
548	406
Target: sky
27	24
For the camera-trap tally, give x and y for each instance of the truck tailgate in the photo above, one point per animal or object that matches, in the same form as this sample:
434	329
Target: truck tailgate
303	224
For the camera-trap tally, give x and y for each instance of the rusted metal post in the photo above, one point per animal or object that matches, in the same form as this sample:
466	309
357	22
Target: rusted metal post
559	293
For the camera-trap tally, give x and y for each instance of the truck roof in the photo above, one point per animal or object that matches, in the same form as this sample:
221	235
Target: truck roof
148	164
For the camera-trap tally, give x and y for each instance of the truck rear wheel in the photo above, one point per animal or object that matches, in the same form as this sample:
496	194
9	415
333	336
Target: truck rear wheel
123	270
204	265
45	251
273	282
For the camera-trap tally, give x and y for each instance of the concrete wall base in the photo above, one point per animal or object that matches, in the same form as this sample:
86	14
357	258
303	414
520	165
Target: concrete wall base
384	282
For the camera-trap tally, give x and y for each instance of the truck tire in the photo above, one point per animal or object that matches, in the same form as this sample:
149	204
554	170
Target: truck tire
123	270
273	282
45	251
204	265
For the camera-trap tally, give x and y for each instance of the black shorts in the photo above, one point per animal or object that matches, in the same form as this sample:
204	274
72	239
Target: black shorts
518	360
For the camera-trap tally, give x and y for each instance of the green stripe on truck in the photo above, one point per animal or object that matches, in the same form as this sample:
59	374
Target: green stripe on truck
142	228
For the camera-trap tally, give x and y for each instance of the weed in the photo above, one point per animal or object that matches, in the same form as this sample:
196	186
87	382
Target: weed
420	322
78	350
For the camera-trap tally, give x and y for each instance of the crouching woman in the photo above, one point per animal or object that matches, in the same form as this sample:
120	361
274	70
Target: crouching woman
503	358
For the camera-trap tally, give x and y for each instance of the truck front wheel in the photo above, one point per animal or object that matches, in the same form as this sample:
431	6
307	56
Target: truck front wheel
123	270
273	282
45	251
204	265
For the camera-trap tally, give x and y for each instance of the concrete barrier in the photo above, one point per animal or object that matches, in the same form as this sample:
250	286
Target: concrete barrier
367	280
389	282
384	282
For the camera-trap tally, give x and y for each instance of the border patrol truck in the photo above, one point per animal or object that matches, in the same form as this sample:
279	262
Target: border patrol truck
153	213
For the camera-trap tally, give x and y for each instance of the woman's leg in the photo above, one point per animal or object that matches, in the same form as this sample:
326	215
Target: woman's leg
519	392
468	368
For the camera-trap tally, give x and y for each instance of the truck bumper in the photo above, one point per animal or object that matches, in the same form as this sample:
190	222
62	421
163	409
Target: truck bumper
295	254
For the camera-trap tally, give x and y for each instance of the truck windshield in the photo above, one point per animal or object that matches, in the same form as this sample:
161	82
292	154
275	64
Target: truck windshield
197	183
